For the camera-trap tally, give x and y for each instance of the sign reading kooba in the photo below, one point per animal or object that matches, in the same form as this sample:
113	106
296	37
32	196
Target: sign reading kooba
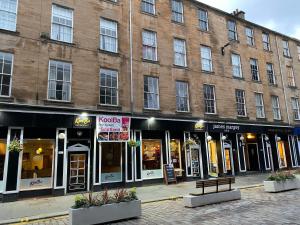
113	128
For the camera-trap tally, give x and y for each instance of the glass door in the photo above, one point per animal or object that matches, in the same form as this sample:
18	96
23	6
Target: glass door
196	162
228	158
77	173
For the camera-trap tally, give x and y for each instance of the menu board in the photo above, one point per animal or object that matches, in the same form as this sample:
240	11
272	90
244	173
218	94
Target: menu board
169	174
113	128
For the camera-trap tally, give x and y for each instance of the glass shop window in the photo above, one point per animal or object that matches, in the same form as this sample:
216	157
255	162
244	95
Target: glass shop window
111	163
152	164
213	159
37	164
175	153
2	161
281	153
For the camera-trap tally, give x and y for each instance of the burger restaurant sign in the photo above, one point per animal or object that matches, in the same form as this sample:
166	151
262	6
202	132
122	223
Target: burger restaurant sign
113	128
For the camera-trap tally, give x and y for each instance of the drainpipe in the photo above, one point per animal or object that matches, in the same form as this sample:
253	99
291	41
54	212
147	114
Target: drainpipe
283	83
131	60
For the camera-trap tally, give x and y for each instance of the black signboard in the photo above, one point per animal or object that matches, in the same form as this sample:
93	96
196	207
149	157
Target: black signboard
82	122
169	174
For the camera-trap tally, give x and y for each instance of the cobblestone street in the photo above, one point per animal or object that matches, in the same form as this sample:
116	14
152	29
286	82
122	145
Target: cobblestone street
256	207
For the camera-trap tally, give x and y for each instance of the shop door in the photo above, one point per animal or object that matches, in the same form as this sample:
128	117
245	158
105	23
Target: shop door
253	157
196	162
77	172
228	158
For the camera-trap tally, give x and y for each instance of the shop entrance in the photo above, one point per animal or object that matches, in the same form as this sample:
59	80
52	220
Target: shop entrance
228	165
196	158
253	157
77	168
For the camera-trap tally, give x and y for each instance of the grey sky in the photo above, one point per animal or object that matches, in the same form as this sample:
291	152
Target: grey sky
280	15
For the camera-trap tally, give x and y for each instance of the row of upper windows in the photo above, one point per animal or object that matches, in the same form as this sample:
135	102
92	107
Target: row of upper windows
60	82
62	25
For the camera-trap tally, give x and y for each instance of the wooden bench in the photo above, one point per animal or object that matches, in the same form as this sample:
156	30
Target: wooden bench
216	182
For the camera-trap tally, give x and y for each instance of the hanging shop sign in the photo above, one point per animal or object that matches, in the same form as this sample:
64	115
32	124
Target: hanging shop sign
200	126
82	122
113	128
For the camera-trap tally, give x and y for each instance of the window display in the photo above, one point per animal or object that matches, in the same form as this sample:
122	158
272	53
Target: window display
175	151
152	164
37	164
111	163
213	159
2	161
281	154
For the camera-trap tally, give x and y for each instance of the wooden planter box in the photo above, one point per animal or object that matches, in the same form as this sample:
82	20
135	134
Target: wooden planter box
278	186
106	213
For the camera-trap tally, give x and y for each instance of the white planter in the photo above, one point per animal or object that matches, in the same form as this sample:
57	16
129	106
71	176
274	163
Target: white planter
105	213
191	201
278	186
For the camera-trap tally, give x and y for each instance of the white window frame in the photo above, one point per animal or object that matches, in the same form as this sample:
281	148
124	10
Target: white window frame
250	36
116	38
271	73
209	59
148	2
181	53
254	70
149	46
11	75
242	103
266	43
16	17
261	106
71	71
52	22
152	93
276	107
239	66
286	48
290	76
295	109
213	99
232	31
187	97
177	12
106	87
206	21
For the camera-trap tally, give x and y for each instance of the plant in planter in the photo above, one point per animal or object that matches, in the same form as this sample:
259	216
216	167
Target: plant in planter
15	146
281	181
189	142
105	207
133	144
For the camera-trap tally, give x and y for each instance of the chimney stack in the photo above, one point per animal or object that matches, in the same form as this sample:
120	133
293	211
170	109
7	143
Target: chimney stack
239	13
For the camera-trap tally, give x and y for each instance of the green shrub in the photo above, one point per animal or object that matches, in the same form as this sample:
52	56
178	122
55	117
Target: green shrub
281	176
103	198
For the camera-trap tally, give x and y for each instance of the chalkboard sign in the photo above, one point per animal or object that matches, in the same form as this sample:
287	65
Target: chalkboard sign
169	174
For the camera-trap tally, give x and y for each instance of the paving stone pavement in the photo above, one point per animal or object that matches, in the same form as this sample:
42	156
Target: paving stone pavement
255	208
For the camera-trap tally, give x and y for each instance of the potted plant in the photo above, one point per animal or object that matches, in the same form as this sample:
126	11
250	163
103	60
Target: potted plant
281	181
133	144
15	146
105	208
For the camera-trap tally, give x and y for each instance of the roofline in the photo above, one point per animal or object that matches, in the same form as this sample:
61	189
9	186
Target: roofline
244	20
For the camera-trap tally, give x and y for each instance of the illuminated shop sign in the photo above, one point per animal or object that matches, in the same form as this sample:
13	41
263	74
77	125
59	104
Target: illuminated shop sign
82	122
113	128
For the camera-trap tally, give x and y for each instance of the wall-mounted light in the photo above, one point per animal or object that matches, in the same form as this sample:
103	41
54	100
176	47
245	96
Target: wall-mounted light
226	45
242	138
267	138
61	136
83	115
79	133
224	138
278	139
151	120
250	136
209	138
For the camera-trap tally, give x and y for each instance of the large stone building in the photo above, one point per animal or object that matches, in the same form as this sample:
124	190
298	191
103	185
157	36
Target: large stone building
78	79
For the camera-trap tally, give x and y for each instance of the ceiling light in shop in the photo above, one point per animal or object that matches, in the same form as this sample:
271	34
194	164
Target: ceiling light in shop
250	136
